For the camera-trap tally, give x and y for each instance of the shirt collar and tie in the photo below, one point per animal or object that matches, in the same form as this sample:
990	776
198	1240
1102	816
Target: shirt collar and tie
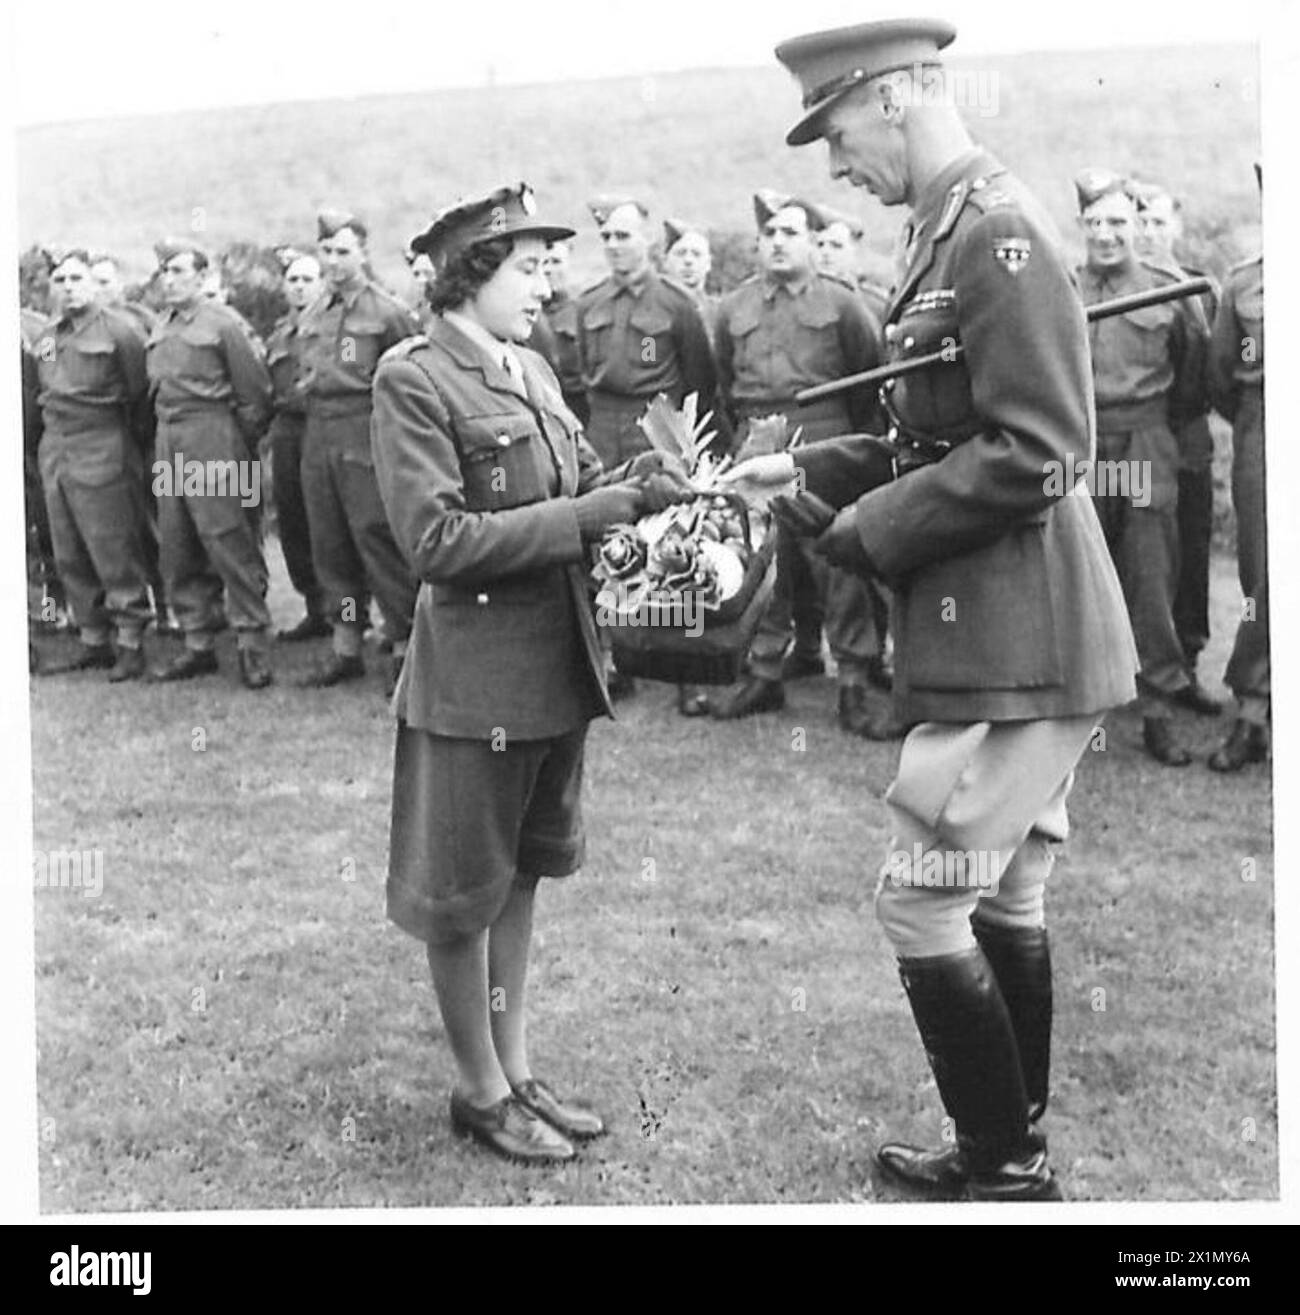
501	353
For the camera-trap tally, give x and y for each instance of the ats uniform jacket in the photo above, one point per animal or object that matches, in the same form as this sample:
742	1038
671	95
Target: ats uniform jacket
1007	605
478	477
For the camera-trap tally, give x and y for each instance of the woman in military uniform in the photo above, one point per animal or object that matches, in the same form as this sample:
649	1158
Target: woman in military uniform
492	493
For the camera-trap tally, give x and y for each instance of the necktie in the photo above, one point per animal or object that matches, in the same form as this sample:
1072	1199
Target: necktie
510	363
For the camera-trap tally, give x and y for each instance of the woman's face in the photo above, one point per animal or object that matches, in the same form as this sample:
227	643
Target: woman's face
510	302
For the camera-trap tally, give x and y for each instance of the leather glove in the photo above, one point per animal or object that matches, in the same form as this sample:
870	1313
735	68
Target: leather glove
611	504
841	544
803	514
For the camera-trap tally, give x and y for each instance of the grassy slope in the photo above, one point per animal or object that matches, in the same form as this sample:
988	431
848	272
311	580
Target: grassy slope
670	1001
697	142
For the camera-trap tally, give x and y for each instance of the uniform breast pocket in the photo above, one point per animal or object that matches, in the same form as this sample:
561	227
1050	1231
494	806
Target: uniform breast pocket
650	337
91	368
597	328
202	353
817	347
500	461
1146	336
361	345
934	401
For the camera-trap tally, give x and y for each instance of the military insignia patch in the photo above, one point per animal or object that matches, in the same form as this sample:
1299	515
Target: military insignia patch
1012	253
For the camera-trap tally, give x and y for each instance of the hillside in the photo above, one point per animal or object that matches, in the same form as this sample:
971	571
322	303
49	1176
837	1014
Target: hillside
696	143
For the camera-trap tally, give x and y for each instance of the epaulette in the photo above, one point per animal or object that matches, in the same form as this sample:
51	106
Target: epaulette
399	351
1247	263
384	295
1166	274
678	288
986	195
595	287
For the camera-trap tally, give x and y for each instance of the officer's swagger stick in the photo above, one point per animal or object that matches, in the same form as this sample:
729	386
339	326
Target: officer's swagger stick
1102	310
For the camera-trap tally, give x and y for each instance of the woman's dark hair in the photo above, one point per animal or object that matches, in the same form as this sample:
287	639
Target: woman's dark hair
466	272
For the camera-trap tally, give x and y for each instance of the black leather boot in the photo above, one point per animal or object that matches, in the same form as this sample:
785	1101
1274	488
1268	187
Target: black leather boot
969	1041
1021	959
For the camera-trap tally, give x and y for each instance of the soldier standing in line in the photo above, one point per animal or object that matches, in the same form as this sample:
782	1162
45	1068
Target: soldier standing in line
1161	219
639	334
342	336
556	333
212	395
1149	376
93	391
840	255
688	259
1237	390
302	285
1012	636
784	330
106	274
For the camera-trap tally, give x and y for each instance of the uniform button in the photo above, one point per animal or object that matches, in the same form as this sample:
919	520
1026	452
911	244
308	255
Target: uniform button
503	439
890	385
909	343
891	332
481	600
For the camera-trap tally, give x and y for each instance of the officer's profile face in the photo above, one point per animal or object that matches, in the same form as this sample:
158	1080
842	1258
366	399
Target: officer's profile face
1161	226
626	240
785	246
1109	230
180	281
342	257
688	260
865	141
555	265
71	287
837	252
510	303
108	283
302	282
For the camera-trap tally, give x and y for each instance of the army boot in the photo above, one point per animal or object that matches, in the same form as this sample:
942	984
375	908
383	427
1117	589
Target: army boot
968	1038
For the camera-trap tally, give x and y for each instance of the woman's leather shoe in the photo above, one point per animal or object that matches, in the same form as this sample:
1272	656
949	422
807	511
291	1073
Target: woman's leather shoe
510	1129
575	1121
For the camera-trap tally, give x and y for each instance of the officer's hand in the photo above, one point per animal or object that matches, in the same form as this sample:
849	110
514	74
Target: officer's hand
841	544
803	514
760	479
663	490
655	462
611	504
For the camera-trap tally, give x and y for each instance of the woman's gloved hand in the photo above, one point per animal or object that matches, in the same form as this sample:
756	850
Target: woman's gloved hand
610	504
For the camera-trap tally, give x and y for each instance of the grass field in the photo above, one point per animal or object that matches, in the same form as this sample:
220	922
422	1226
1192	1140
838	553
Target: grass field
233	1023
698	143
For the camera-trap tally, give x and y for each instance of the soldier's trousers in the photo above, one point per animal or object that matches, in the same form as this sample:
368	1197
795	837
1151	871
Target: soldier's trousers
1195	526
976	811
91	481
352	545
285	441
210	541
1143	542
1248	673
845	603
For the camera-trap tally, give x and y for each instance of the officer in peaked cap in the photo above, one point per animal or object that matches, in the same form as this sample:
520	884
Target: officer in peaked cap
1011	631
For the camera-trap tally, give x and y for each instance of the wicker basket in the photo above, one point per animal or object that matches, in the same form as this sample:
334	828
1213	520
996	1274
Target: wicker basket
712	653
